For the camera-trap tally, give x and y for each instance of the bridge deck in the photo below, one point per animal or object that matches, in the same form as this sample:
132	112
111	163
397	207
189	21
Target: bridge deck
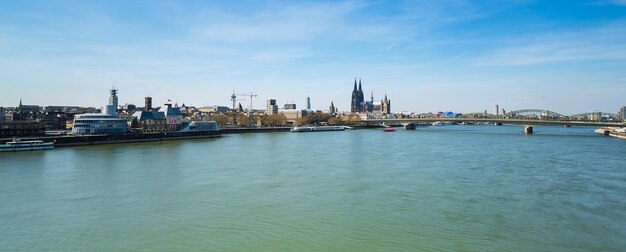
492	120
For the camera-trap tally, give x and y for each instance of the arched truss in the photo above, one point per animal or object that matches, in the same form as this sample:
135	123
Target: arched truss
534	111
590	114
477	115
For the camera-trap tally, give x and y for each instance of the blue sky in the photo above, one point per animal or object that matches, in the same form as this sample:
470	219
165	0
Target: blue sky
464	56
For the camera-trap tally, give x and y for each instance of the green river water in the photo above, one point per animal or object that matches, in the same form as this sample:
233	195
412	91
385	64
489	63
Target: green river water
451	188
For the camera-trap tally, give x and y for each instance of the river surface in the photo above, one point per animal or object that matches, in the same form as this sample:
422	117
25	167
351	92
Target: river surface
450	188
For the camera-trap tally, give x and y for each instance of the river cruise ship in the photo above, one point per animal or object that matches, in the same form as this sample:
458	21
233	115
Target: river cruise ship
19	145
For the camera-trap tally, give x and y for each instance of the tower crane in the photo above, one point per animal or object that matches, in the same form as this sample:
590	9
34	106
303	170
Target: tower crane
234	97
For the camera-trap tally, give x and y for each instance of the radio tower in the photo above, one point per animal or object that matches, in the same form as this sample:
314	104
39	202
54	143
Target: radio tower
234	99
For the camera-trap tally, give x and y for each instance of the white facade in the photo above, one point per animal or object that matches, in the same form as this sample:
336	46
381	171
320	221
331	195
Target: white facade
86	124
272	108
109	110
172	114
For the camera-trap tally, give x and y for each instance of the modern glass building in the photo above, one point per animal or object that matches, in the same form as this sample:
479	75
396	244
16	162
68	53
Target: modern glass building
85	124
201	126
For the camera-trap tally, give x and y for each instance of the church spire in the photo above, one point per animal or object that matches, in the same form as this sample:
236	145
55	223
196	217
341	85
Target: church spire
360	89
354	84
21	98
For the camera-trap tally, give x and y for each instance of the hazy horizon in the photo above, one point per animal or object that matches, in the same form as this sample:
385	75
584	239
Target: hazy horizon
427	56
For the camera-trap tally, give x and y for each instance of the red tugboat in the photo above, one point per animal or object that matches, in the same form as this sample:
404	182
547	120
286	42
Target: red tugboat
390	129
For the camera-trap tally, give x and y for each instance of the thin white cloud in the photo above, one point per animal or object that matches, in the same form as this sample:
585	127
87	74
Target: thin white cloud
461	55
278	56
607	43
296	22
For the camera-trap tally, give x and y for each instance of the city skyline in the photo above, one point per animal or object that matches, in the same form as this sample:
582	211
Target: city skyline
462	56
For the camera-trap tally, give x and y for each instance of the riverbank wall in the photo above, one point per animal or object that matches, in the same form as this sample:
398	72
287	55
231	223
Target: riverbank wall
254	130
81	140
612	132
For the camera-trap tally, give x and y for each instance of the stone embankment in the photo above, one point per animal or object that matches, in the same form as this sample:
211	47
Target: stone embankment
612	131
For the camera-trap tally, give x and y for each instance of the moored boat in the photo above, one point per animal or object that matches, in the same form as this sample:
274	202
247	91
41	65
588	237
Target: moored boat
19	145
441	123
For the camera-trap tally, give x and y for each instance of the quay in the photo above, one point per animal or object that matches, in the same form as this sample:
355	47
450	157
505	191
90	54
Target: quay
612	132
81	140
239	130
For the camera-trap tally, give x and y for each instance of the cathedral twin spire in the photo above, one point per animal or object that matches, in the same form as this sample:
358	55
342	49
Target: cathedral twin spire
359	105
358	100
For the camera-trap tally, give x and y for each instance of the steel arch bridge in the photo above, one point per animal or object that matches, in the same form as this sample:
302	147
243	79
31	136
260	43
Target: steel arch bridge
477	115
535	111
590	114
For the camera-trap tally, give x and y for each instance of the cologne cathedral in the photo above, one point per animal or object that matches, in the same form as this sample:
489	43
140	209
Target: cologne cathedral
359	105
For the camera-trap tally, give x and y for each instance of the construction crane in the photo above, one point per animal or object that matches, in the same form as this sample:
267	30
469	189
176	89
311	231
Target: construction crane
234	99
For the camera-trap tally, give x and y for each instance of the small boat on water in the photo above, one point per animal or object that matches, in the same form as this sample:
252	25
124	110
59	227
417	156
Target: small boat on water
19	145
389	129
440	123
317	128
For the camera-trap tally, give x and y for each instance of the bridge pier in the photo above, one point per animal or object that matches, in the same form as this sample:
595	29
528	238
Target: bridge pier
528	130
409	126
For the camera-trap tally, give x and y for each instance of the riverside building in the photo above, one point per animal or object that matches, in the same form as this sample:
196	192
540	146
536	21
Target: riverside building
272	108
103	123
149	121
106	122
20	129
173	116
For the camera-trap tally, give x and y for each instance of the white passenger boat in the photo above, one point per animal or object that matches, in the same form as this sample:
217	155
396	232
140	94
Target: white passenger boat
19	145
317	128
440	123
